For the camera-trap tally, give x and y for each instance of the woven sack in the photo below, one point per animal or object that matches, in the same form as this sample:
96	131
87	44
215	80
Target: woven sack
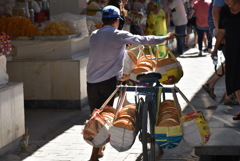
167	136
122	139
168	130
196	131
96	129
170	69
145	63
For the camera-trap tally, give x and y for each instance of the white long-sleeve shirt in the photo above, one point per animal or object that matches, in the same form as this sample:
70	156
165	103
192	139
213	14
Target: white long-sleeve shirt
107	48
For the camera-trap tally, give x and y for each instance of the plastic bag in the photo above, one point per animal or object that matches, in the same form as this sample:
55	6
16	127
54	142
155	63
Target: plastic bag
96	130
196	131
77	23
170	69
130	62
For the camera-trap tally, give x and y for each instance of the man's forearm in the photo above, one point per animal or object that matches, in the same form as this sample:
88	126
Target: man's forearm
220	37
215	15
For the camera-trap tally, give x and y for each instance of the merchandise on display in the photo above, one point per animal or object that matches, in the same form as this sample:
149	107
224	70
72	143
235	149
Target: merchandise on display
31	18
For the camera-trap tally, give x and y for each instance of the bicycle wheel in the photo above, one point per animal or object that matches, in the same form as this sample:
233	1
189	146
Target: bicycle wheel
152	114
148	142
138	114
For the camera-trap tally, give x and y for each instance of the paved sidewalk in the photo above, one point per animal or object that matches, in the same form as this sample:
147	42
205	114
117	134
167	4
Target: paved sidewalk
55	135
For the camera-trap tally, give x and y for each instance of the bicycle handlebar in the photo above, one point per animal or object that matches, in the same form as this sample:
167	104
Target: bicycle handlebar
180	35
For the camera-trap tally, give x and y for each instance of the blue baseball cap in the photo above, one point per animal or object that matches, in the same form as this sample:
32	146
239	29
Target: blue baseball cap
111	12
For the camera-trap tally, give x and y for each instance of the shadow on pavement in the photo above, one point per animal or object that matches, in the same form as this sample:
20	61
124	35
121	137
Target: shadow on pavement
46	124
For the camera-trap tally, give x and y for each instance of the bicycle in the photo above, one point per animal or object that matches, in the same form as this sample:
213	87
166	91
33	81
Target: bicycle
146	107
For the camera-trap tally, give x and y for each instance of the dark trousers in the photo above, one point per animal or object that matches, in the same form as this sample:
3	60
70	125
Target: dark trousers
200	38
180	40
99	92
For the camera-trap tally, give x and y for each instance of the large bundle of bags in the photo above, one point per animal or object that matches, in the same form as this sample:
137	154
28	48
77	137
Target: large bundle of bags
116	126
169	67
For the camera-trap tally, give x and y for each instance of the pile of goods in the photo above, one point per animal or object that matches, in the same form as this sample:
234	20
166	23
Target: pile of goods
17	26
5	44
93	8
167	114
126	117
145	64
55	29
22	26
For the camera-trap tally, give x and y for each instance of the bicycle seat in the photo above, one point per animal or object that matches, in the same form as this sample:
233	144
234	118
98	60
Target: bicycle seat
149	75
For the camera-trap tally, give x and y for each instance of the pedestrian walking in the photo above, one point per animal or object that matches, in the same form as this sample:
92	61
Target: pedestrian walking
213	19
179	19
228	28
200	9
191	25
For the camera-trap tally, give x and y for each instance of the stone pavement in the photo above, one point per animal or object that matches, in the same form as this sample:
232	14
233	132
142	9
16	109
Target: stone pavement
55	135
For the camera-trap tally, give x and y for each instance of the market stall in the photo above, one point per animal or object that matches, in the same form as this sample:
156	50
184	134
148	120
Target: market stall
50	51
12	122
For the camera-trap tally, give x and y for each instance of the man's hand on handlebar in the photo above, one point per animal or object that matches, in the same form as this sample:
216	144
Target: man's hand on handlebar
172	35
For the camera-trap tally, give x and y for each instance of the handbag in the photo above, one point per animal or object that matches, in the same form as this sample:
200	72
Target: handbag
192	21
196	131
170	69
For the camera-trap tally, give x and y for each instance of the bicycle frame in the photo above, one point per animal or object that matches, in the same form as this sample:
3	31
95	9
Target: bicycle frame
149	108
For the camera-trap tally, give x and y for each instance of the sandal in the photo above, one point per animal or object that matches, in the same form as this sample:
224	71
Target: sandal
230	101
236	116
209	90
